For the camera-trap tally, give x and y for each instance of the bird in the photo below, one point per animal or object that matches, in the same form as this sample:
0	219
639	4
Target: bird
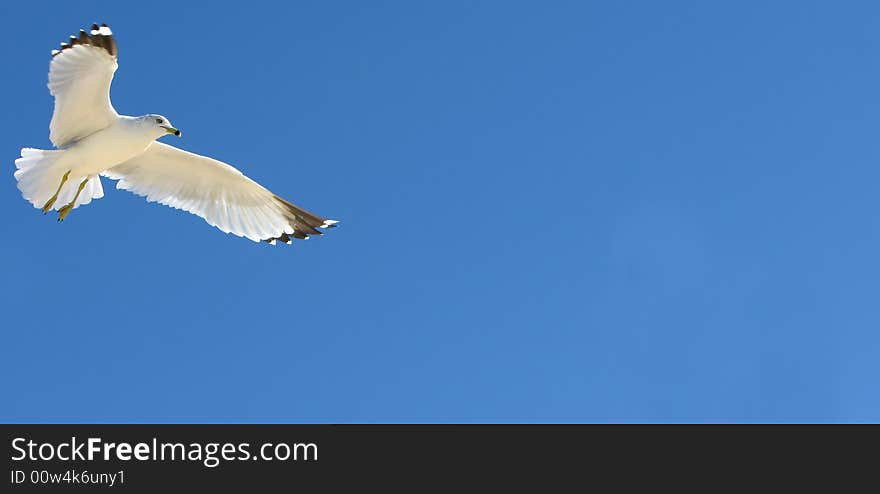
92	140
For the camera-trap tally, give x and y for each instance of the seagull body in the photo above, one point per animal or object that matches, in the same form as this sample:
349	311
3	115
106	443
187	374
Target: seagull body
124	139
93	141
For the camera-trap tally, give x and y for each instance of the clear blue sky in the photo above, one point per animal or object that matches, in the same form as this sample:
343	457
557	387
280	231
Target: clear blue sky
551	211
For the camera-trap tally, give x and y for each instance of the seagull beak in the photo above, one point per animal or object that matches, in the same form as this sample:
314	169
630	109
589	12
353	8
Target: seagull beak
172	130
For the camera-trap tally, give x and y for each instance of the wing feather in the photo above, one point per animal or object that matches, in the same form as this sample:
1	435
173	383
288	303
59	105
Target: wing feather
80	75
217	192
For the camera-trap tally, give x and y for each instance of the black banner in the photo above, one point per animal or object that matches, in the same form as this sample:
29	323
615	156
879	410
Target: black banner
136	458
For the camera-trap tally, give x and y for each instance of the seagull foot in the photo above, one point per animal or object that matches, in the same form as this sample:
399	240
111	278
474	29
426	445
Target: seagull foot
48	206
64	211
51	202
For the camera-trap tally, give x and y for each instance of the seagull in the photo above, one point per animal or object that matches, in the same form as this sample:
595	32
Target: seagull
92	141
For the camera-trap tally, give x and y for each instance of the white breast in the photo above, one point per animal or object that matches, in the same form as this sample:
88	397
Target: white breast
107	148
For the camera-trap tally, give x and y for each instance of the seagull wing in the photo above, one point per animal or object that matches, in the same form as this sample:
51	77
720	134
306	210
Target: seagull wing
217	192
79	78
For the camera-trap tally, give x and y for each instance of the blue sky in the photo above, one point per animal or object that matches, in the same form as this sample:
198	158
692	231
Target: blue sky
551	212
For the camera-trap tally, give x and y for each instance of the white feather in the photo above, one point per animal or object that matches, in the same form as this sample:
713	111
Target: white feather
211	189
79	78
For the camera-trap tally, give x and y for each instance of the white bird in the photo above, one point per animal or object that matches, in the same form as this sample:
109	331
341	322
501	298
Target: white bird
92	140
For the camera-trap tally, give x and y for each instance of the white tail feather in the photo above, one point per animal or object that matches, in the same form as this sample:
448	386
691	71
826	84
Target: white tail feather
40	171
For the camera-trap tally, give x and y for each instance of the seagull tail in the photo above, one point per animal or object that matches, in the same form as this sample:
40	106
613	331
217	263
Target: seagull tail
39	173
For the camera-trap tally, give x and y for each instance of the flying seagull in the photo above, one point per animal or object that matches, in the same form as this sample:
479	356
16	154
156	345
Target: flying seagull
92	140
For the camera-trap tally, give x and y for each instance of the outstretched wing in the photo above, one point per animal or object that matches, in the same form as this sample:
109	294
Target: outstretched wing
79	77
217	192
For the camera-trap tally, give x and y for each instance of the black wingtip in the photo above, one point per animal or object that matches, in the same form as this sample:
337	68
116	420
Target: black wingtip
100	37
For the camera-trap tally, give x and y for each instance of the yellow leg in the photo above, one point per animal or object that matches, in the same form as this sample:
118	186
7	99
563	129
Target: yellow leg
64	211
51	202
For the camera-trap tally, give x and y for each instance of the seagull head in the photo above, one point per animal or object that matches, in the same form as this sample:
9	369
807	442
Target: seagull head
162	124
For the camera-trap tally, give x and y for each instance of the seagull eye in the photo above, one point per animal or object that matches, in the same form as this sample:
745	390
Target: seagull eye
158	120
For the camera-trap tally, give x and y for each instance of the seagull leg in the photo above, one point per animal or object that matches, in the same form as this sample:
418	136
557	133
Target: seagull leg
64	211
51	202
